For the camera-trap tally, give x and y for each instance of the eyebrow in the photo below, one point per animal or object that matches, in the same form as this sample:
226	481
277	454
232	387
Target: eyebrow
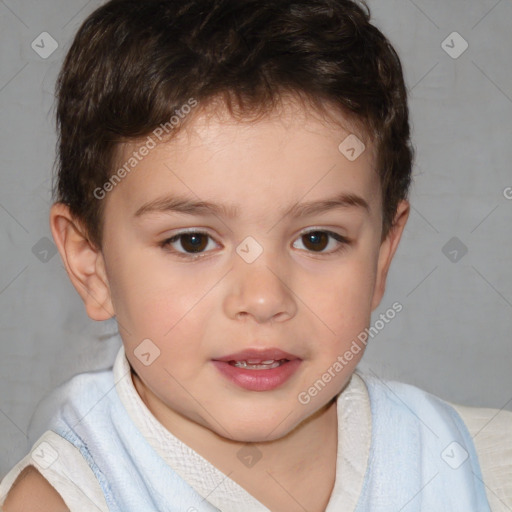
188	206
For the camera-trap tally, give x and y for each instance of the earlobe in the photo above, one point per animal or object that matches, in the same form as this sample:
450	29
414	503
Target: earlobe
84	262
387	251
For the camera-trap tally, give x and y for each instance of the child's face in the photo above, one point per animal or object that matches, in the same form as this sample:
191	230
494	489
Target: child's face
309	296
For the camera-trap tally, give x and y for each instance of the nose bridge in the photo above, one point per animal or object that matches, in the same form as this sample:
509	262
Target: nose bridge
257	286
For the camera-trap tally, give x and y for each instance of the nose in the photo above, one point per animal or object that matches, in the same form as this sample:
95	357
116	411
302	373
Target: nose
258	290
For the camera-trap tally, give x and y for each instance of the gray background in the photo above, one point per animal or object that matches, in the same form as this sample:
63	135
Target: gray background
453	337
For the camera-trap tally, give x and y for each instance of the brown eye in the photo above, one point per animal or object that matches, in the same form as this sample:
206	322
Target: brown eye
194	242
188	243
316	240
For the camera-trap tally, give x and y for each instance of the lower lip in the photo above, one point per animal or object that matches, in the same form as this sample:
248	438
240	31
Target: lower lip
258	380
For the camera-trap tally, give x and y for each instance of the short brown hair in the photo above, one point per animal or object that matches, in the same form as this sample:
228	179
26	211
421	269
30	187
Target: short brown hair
134	63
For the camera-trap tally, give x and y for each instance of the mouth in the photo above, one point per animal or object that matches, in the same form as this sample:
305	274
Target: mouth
254	364
258	370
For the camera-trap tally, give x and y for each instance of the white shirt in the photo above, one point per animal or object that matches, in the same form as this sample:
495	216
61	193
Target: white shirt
70	475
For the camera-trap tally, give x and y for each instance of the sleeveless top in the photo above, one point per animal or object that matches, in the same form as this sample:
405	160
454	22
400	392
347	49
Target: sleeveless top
421	456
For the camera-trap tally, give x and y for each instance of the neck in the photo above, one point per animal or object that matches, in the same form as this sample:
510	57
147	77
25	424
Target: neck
307	453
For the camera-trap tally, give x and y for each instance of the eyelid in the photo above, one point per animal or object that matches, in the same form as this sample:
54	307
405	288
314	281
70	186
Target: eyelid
340	239
165	244
322	229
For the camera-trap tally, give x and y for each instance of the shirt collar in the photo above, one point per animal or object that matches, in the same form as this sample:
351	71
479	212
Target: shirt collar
354	435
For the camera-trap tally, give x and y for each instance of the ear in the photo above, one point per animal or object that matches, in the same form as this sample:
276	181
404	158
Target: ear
387	251
84	262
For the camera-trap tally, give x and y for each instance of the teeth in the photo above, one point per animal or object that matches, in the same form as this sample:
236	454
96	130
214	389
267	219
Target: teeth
256	364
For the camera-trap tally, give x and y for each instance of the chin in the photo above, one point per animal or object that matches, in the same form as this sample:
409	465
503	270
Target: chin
258	429
256	436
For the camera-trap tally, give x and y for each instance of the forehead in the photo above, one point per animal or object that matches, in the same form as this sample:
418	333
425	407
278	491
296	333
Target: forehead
292	116
297	151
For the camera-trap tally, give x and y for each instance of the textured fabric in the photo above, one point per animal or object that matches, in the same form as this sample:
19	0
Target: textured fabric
132	476
422	456
135	453
61	464
353	411
208	481
491	431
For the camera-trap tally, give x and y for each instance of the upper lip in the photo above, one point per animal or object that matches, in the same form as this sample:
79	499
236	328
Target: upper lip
266	354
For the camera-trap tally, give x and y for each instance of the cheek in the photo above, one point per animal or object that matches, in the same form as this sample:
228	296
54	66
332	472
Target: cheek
344	305
346	293
168	308
331	374
148	299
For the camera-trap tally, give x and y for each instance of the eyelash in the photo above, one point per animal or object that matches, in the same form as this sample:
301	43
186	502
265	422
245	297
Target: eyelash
343	243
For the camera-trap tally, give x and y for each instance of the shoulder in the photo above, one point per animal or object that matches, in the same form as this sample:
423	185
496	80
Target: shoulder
487	426
31	491
68	403
398	399
54	470
491	430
